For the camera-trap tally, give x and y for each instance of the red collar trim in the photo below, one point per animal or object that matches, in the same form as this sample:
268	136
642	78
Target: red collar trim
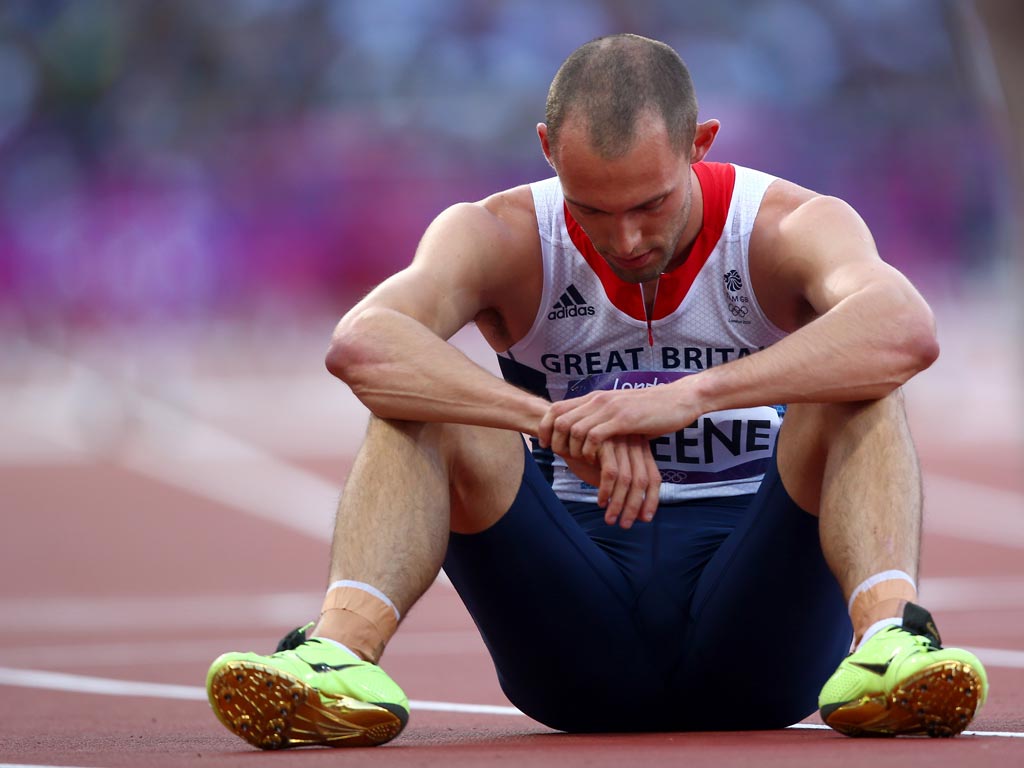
716	182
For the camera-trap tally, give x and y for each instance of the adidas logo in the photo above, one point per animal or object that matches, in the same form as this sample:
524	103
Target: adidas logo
570	304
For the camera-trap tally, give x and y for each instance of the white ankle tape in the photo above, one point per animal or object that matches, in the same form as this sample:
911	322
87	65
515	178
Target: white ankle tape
878	578
371	590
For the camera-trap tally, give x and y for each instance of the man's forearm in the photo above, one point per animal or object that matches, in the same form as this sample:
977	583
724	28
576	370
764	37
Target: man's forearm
399	369
867	346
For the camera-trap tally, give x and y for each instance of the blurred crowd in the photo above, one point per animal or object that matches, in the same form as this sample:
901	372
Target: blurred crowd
166	161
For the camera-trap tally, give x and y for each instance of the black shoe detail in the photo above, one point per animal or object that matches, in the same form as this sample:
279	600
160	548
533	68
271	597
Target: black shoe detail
292	640
827	710
395	709
917	620
878	669
321	666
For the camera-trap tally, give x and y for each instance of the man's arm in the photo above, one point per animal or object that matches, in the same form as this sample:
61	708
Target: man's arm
868	332
392	349
871	330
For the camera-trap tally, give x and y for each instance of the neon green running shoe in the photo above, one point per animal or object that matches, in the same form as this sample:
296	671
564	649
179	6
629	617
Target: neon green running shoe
311	692
903	682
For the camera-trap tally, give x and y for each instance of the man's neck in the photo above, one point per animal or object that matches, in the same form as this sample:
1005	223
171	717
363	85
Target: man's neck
694	224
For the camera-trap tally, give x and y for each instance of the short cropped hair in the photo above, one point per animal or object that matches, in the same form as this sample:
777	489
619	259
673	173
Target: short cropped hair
611	82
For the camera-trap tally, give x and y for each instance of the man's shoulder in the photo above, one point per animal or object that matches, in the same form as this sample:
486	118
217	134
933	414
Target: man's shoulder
496	237
506	217
513	206
786	203
783	196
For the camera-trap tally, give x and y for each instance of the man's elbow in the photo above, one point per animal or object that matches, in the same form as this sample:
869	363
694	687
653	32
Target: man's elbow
919	342
349	350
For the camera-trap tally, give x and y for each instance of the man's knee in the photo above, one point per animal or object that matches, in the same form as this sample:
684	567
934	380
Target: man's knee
485	471
811	432
481	467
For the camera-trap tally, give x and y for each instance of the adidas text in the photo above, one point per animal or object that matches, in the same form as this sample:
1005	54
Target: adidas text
572	311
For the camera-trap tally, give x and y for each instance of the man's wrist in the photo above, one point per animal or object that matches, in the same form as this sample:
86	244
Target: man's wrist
534	409
698	392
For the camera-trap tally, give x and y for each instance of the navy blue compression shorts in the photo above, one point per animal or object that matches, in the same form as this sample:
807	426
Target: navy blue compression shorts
720	614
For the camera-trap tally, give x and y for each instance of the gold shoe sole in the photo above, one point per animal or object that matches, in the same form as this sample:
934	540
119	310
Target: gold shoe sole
940	701
274	710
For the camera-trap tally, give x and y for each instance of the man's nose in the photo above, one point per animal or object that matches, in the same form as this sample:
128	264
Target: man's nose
625	236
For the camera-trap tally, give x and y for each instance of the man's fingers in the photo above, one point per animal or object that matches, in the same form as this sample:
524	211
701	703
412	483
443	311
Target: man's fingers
618	480
609	472
555	420
653	491
560	433
577	434
597	433
589	434
635	506
609	476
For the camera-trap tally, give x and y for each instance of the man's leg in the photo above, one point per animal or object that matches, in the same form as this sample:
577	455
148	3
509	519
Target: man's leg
854	464
410	483
767	621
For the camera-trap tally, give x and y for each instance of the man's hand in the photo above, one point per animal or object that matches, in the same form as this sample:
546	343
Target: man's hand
580	426
627	478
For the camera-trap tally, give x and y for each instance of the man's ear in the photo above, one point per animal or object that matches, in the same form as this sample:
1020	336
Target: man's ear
542	134
703	138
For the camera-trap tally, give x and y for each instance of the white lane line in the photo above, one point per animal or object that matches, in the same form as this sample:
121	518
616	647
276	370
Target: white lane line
283	610
189	612
472	709
242	476
997	734
140	653
972	593
998	657
165	443
68	683
106	613
61	681
971	511
57	681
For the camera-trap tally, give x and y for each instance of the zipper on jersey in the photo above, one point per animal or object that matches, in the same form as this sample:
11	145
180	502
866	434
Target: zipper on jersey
647	315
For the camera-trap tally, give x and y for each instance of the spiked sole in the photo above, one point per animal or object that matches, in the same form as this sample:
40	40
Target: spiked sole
939	701
273	710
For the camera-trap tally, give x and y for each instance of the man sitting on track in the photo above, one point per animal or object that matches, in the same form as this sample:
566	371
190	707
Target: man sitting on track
665	558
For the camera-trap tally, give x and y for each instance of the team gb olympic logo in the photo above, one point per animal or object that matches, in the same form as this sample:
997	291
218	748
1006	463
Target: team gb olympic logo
733	281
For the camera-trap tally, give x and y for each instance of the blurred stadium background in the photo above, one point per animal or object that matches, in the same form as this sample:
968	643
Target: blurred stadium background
191	192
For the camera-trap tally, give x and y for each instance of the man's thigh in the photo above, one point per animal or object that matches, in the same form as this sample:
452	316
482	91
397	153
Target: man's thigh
768	623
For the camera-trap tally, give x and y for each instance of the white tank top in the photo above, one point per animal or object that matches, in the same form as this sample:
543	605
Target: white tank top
592	332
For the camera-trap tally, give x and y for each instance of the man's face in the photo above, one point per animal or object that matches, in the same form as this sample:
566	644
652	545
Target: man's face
634	208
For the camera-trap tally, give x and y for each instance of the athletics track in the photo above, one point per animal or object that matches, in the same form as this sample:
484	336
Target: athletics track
163	503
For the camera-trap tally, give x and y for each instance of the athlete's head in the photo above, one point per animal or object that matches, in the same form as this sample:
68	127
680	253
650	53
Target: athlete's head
621	131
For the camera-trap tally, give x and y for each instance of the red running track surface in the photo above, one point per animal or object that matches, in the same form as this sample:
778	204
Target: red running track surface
140	542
